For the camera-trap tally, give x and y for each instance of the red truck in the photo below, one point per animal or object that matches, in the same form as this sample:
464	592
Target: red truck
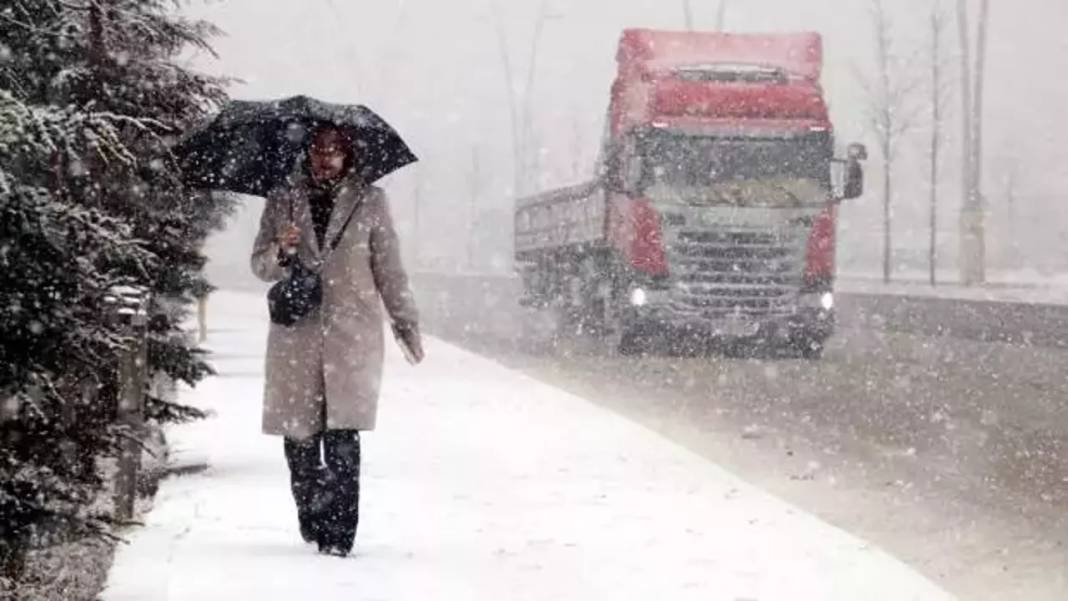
714	210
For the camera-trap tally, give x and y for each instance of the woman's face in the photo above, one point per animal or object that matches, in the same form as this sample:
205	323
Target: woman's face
327	155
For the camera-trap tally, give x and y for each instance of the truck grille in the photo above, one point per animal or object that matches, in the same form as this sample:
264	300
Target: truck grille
736	272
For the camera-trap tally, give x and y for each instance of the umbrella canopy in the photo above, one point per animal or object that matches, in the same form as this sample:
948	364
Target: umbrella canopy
252	147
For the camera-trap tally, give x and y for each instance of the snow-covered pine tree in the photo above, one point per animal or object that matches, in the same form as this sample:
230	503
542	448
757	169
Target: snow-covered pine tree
56	343
129	65
91	94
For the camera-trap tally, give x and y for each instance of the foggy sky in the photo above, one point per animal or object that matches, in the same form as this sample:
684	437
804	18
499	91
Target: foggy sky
434	69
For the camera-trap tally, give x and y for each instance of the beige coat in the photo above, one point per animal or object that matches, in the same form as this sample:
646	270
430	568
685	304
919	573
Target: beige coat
336	352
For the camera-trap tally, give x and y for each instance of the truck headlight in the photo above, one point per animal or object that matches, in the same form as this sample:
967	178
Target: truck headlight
827	301
639	297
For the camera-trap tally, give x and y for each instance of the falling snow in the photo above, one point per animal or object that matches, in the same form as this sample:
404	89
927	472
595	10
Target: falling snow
745	300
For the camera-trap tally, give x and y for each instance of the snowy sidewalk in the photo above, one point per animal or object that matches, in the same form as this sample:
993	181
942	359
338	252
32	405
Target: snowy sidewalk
480	484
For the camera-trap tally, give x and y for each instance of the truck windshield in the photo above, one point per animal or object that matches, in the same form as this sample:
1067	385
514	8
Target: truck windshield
688	162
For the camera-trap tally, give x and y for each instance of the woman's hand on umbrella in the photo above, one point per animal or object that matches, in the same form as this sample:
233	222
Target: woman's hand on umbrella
289	238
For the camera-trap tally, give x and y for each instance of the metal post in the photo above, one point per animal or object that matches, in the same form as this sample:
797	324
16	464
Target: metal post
202	318
131	311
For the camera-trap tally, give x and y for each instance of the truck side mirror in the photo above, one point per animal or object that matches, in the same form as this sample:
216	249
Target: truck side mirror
854	176
854	184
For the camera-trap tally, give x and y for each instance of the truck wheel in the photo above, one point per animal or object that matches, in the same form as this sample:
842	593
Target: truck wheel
641	339
811	349
632	344
611	329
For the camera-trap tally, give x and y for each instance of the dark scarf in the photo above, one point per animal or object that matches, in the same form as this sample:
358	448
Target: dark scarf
321	200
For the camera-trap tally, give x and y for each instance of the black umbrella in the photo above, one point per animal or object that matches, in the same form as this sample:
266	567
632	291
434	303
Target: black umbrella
252	147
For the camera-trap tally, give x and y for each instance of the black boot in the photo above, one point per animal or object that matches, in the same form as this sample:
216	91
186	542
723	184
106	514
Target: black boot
341	493
306	475
335	550
309	528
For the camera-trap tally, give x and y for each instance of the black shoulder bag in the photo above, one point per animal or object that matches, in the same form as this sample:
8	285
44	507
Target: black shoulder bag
293	298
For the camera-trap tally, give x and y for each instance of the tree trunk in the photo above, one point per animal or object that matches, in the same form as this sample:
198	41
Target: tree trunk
936	142
472	218
979	221
888	247
932	253
721	16
964	38
971	216
527	146
513	104
886	132
980	79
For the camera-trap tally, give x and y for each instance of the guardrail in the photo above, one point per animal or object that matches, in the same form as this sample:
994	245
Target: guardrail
487	305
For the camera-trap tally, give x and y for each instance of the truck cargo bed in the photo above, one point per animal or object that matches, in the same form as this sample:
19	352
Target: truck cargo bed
561	218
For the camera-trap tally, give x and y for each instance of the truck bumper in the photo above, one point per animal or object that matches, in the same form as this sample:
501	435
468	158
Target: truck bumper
811	320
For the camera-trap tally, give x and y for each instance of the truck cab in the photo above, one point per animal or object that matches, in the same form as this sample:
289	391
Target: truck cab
716	200
728	234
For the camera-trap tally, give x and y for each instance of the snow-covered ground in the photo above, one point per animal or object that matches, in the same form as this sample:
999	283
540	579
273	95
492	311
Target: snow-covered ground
993	293
1027	287
480	484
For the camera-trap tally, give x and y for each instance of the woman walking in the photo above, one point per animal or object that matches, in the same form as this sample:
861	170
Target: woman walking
323	373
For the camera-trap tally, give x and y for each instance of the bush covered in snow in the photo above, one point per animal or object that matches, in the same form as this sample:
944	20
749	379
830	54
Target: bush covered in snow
91	98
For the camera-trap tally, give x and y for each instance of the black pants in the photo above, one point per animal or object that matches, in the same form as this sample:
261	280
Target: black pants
327	492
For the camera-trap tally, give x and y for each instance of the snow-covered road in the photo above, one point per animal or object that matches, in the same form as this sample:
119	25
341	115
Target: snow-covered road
481	483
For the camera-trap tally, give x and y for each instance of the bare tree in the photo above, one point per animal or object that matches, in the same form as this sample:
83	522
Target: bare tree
1011	196
978	275
687	14
973	235
964	38
521	102
892	113
475	182
939	93
980	81
721	16
884	119
530	138
513	101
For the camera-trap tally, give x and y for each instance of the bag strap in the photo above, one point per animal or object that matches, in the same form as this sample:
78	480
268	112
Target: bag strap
341	232
337	237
